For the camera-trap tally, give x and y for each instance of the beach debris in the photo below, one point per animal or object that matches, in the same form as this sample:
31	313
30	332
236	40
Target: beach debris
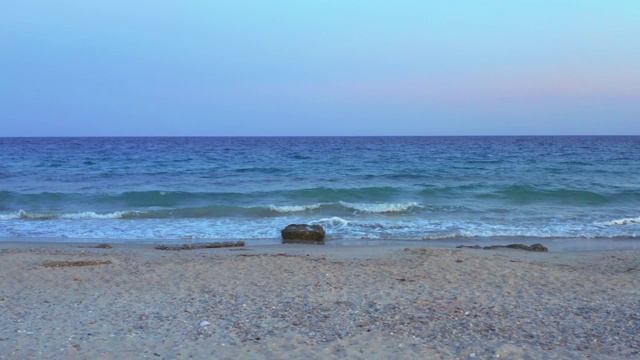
76	263
212	245
100	246
303	234
534	247
263	255
204	323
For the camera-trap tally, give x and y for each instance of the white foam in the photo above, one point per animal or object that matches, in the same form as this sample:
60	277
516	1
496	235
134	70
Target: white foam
333	222
85	215
21	214
293	208
380	208
12	216
88	215
626	221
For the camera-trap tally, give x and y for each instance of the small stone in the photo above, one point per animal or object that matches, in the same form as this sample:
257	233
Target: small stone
204	323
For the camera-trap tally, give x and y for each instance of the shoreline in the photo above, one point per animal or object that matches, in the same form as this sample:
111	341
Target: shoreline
317	302
553	244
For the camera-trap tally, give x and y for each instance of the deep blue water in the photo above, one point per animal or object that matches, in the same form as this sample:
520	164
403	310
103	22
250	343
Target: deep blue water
372	188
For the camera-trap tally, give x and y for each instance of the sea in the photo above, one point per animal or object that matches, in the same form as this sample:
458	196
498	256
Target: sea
362	190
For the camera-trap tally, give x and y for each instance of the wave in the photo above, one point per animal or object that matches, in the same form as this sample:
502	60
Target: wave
161	198
625	221
270	170
326	194
381	208
217	211
423	230
84	215
332	222
530	194
447	190
366	199
88	215
293	208
166	224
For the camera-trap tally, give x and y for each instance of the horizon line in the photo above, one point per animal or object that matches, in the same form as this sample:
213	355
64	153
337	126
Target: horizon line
306	136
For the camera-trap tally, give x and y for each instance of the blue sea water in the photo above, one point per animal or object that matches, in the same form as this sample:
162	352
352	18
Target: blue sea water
358	188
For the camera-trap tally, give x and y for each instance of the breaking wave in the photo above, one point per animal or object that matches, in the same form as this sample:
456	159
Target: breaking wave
381	208
626	221
84	215
293	208
218	211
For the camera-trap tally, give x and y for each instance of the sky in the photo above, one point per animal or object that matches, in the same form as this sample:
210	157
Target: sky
325	68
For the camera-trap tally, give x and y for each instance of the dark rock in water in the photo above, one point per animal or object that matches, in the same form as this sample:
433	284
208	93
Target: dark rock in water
303	234
538	248
104	246
468	247
534	247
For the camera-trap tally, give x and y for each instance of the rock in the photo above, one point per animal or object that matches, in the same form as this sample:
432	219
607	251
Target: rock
468	247
104	246
303	234
538	248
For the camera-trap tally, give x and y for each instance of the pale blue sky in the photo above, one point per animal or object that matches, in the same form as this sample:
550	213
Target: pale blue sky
107	68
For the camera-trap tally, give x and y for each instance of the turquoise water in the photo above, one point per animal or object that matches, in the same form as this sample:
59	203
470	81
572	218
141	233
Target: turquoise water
358	188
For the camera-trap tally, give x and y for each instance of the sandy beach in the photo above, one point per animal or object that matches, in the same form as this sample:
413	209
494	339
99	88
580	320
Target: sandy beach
60	301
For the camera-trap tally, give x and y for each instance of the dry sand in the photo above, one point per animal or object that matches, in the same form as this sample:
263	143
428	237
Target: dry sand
316	302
